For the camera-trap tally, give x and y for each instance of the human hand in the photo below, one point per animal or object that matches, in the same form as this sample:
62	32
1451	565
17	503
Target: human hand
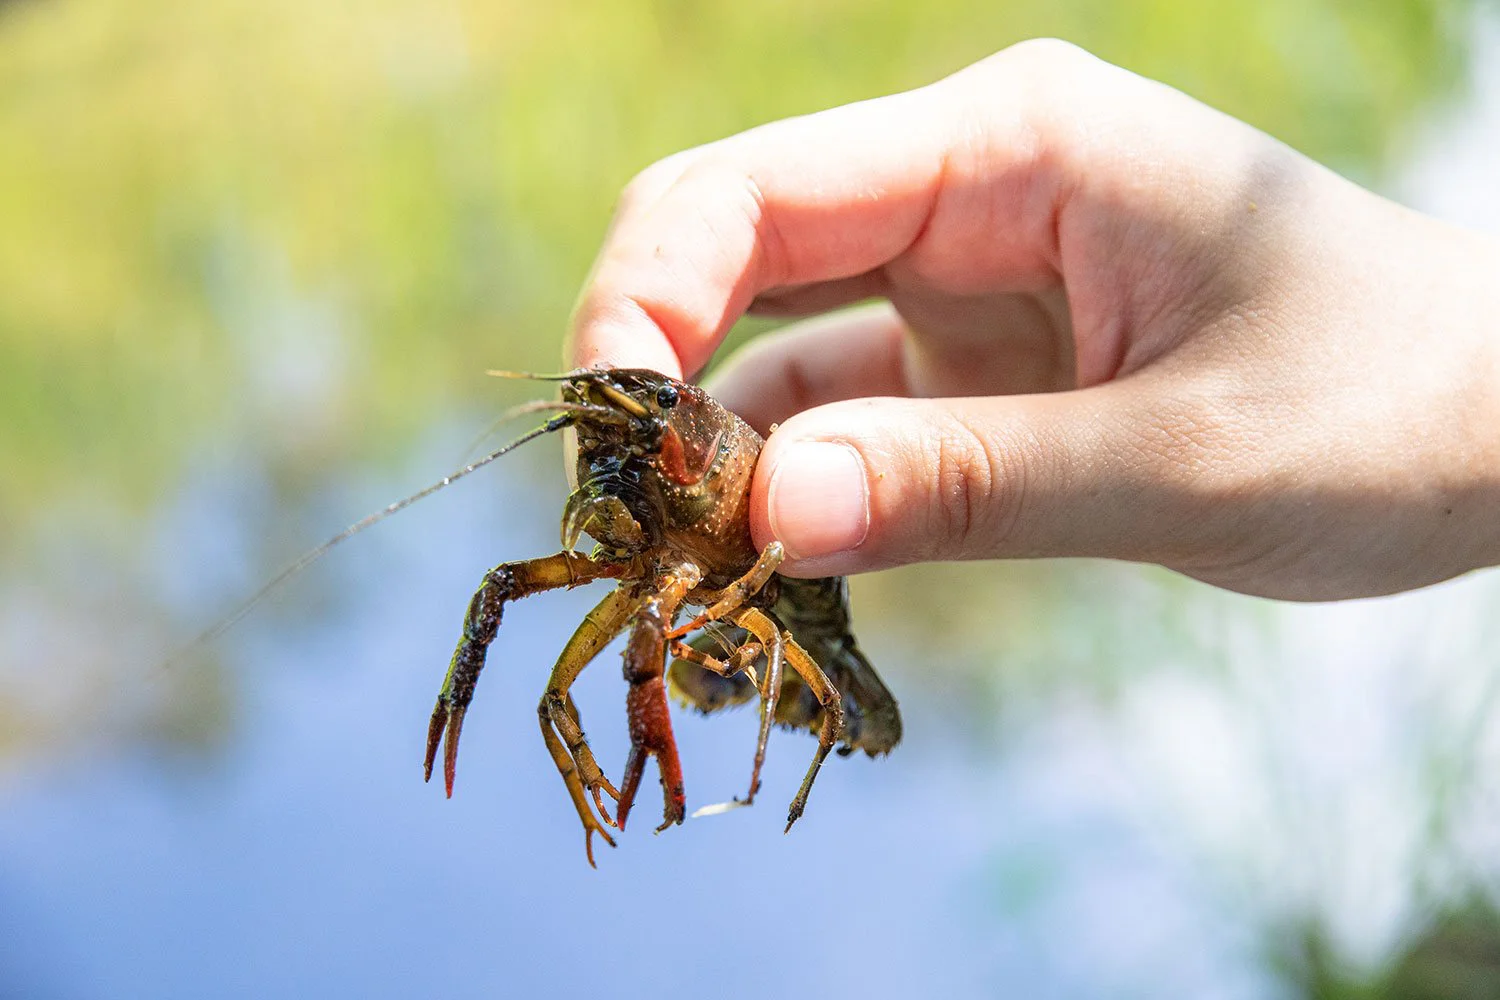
1118	324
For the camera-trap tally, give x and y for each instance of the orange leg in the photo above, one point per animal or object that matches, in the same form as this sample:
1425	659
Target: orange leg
569	771
737	593
770	692
740	661
558	715
759	624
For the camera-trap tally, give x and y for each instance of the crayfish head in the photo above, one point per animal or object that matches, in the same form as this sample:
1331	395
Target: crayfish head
638	435
674	427
658	460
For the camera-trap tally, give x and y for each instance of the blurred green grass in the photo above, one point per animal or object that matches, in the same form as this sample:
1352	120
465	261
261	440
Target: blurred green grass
313	225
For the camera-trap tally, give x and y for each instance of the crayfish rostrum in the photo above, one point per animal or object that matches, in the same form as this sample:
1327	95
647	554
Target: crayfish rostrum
664	477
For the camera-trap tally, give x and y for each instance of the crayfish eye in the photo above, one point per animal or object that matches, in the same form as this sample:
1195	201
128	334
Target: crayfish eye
666	397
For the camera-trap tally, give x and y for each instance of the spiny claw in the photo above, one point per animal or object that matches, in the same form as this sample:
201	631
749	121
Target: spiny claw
676	803
450	748
672	818
434	737
444	728
635	768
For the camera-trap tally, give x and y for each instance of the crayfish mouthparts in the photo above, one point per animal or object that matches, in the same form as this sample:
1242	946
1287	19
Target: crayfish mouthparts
607	514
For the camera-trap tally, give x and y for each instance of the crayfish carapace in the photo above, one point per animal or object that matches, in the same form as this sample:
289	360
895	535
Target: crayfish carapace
664	478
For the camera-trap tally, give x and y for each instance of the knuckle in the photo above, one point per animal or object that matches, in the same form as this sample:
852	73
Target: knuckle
714	169
641	189
732	200
654	181
979	486
1040	59
1046	53
1052	93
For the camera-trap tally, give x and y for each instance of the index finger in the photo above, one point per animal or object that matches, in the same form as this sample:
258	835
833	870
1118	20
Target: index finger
801	201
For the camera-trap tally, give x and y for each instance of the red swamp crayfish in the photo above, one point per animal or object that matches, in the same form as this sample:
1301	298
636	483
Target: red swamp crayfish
664	474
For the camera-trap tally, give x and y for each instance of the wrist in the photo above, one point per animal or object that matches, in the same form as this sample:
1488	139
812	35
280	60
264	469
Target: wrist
1485	430
1469	478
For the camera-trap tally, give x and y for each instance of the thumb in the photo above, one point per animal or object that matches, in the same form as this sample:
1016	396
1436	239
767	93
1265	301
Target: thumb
870	483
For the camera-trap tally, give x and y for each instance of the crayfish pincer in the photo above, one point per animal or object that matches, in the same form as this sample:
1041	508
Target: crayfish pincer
664	477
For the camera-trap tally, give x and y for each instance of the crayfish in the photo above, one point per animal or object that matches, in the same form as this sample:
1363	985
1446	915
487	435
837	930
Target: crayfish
664	477
664	474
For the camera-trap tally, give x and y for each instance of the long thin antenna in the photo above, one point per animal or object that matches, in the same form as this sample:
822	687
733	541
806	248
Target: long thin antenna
308	558
539	406
576	373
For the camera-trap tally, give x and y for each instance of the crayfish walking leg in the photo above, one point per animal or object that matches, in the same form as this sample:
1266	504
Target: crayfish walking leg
737	593
759	624
741	659
506	582
559	716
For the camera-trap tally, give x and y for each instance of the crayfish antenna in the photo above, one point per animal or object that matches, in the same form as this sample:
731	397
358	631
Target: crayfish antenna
212	633
544	377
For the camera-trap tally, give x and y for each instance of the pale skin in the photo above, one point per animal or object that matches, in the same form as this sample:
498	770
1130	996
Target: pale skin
1111	322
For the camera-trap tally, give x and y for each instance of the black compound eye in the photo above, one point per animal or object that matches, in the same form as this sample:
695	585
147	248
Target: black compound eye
666	397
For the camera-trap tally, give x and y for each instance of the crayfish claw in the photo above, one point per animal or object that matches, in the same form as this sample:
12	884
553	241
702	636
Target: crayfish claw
635	769
443	730
450	747
672	817
434	737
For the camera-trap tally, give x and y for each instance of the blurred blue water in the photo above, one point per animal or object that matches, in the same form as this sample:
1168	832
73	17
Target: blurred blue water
307	857
1335	764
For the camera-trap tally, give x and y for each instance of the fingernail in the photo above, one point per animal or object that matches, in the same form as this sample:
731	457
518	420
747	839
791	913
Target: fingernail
819	500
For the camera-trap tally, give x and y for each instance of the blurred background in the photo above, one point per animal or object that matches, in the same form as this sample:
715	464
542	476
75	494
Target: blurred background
254	258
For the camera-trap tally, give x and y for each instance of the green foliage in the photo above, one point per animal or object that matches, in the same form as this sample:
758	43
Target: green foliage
315	224
1455	957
